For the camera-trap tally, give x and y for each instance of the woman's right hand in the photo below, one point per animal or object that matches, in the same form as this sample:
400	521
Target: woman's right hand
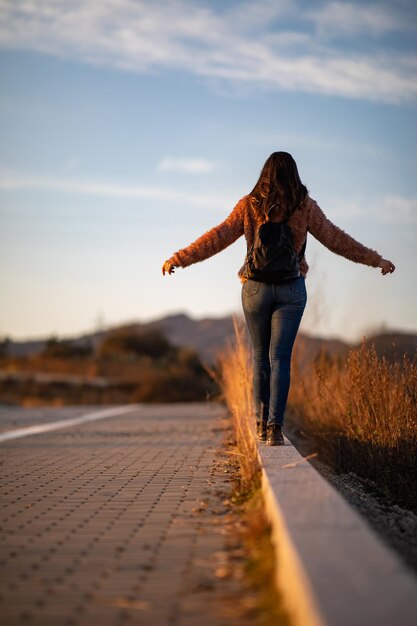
168	267
386	266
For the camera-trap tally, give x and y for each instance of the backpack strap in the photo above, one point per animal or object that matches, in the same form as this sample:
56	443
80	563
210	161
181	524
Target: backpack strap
283	221
269	210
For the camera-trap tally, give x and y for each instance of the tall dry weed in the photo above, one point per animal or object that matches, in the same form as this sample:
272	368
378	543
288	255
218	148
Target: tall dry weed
235	380
360	412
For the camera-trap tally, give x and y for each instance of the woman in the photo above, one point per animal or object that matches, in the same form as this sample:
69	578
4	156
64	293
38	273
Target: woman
273	312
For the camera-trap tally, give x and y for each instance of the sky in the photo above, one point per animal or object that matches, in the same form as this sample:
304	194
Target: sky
129	128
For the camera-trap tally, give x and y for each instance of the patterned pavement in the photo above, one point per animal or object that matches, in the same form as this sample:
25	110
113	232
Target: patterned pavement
116	521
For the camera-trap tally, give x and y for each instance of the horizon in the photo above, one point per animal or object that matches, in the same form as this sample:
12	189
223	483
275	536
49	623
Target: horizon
383	330
129	130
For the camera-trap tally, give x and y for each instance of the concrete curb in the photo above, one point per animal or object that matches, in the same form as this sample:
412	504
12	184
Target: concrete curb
332	569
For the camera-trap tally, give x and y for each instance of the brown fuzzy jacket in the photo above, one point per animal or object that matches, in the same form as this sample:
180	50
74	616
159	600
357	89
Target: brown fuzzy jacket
308	218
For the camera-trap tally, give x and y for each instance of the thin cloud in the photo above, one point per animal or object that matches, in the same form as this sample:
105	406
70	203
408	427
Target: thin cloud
186	166
387	209
11	181
333	19
250	44
392	209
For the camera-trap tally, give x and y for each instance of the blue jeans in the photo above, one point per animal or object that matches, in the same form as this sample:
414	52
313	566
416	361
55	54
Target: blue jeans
273	314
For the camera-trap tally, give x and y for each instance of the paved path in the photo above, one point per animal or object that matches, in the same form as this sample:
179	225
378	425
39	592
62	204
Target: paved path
116	521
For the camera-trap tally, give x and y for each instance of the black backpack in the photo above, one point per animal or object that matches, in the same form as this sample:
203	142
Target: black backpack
272	258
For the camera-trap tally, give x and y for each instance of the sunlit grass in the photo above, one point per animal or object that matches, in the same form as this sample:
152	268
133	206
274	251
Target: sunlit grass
357	412
234	377
364	396
360	413
235	381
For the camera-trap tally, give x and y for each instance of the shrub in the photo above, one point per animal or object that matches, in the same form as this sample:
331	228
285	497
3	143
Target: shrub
63	349
128	341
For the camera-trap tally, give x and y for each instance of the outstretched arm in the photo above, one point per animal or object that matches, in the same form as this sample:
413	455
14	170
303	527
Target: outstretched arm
213	241
336	240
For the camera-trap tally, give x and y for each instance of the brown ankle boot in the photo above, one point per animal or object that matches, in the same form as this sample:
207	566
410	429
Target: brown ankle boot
274	435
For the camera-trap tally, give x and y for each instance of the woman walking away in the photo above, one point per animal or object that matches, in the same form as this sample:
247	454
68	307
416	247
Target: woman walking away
275	218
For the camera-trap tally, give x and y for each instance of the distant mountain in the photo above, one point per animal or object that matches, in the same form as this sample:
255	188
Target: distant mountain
308	346
208	335
394	345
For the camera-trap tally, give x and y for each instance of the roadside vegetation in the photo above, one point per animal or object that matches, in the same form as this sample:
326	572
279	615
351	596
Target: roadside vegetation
359	413
355	411
233	375
127	365
234	378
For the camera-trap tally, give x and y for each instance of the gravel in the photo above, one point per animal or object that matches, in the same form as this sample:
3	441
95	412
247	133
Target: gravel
396	526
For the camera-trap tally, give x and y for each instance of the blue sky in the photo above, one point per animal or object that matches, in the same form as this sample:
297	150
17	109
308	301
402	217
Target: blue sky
129	128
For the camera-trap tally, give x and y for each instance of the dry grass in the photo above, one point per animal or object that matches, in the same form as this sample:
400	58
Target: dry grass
265	605
255	535
235	381
360	413
54	378
366	397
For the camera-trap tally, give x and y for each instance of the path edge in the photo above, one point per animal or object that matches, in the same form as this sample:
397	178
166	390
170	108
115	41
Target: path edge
291	580
299	568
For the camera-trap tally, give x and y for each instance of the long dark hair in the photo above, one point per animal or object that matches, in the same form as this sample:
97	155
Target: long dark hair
279	183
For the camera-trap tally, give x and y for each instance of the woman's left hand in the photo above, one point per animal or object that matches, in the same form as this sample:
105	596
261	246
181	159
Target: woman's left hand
168	267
